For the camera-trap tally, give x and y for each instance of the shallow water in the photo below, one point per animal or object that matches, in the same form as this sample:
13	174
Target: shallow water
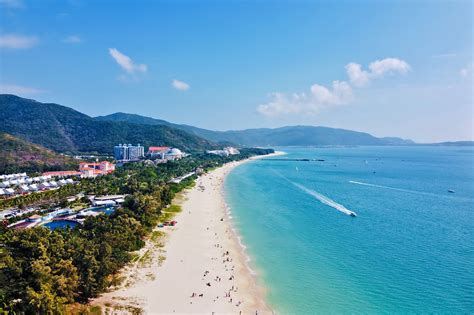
410	248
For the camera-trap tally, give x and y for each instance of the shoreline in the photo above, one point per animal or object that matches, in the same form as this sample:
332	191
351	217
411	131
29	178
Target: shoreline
203	256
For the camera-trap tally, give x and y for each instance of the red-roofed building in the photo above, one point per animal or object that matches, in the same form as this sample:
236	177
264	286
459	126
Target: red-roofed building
154	152
95	169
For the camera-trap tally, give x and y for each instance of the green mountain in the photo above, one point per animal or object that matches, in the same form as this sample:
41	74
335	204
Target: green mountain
284	136
63	129
18	155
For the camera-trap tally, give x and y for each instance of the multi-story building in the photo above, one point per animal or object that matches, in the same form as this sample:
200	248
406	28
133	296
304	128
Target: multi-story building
128	152
157	152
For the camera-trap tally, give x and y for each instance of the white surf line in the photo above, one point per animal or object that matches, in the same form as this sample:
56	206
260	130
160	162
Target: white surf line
323	199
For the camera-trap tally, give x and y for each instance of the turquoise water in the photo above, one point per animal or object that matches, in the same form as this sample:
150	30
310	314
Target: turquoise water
105	209
410	248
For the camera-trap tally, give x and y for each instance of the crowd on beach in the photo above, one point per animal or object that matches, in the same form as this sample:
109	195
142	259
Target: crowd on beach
226	260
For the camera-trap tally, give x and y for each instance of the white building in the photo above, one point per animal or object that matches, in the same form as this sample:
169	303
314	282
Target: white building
128	152
24	188
174	154
5	184
45	185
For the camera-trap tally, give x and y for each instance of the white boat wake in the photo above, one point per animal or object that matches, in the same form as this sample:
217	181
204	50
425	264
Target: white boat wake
388	187
325	200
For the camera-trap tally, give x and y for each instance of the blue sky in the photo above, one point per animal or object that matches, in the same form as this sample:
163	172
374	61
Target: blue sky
390	68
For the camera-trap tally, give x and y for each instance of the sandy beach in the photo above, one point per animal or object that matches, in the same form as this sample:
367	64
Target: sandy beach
200	268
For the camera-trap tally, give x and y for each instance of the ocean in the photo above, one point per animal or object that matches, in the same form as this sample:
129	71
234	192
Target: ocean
410	248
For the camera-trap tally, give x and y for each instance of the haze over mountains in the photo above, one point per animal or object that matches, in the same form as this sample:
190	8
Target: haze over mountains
64	129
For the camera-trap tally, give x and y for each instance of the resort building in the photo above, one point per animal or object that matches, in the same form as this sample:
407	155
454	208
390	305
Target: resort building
45	185
174	154
165	153
24	188
95	169
128	152
12	176
5	184
110	200
34	218
157	152
62	173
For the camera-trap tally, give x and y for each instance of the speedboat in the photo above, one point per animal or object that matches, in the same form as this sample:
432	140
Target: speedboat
353	214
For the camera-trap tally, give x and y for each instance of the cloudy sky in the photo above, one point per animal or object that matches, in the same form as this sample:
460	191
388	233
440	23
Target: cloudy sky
390	68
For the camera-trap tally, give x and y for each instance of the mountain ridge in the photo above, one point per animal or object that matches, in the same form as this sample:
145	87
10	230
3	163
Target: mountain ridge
302	135
64	129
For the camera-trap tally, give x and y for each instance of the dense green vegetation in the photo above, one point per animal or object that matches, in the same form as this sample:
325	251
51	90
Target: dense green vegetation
41	271
284	136
65	130
17	155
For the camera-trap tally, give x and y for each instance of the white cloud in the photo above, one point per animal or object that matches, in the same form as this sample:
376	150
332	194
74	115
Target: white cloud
180	85
340	93
73	39
12	41
126	63
389	65
19	90
357	76
377	69
301	103
14	4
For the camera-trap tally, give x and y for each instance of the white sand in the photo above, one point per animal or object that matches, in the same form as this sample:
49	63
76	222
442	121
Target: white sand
197	244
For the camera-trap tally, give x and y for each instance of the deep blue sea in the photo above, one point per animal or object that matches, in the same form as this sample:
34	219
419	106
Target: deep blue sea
410	248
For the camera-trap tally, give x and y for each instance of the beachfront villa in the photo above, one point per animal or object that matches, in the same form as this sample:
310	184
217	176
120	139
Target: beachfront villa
12	176
14	184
